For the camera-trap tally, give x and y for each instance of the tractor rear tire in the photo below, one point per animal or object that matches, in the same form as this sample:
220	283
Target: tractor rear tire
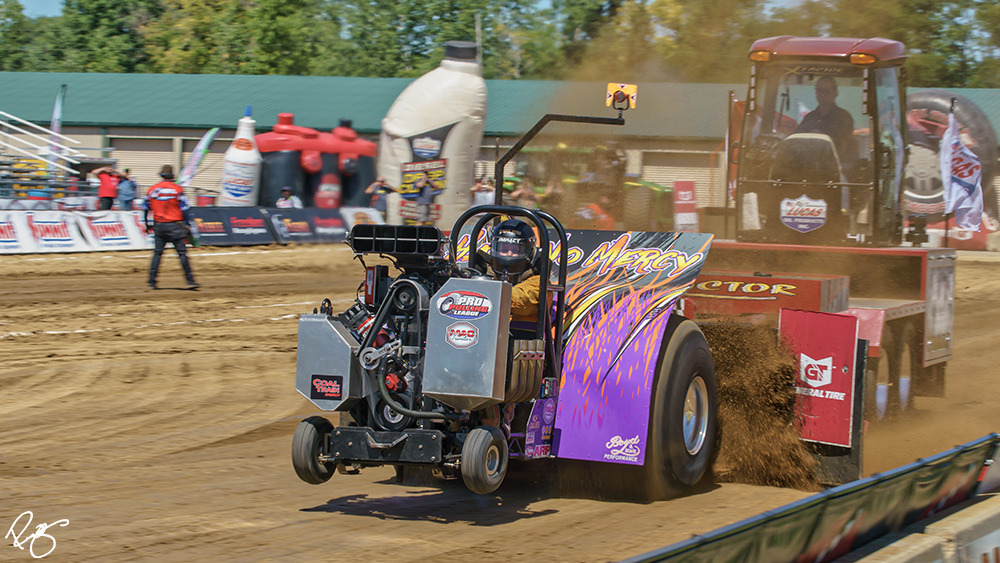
307	445
484	459
683	428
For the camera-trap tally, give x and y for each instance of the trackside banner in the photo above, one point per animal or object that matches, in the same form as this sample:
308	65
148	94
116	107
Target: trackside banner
114	230
28	232
232	226
306	225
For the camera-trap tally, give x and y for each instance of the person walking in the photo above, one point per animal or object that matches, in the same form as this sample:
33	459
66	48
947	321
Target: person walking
127	190
107	191
171	220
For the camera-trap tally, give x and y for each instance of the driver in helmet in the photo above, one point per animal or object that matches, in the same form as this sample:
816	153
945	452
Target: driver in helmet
513	254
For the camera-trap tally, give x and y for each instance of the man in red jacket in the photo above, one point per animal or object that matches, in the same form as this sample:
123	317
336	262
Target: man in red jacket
108	190
171	218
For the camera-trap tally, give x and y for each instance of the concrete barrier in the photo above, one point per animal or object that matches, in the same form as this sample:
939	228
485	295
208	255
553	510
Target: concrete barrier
971	535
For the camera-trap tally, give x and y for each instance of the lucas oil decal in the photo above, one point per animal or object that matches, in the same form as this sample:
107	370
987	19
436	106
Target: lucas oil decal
462	335
803	214
464	305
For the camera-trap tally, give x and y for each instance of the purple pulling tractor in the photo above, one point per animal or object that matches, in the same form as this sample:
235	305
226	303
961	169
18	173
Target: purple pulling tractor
431	376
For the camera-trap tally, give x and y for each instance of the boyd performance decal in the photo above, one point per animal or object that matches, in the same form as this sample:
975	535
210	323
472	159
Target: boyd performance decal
621	449
803	214
464	305
329	387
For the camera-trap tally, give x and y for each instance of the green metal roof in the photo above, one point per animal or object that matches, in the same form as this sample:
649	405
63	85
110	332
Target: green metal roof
679	111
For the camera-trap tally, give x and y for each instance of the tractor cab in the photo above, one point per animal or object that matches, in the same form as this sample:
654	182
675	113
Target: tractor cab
822	142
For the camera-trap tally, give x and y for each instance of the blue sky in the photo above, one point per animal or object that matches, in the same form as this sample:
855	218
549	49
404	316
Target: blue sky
36	8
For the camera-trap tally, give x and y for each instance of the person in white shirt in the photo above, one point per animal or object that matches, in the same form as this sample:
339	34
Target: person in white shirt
287	200
482	193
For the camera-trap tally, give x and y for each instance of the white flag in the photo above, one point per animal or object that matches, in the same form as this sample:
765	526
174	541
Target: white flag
961	175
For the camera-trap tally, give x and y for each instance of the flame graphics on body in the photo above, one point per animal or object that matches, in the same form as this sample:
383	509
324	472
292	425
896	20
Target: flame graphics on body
618	302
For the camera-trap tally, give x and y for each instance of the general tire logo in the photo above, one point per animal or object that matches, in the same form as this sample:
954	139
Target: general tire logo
327	387
815	373
803	214
464	305
462	335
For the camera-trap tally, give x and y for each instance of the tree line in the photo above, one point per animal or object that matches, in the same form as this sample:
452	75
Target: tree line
952	43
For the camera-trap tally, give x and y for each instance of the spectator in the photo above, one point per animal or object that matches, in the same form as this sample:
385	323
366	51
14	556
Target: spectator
428	190
380	190
171	223
482	193
127	190
524	195
287	200
108	190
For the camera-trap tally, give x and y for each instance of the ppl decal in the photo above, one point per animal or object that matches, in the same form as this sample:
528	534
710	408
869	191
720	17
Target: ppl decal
462	335
464	305
623	449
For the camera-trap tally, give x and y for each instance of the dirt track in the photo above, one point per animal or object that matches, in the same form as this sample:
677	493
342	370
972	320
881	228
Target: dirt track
159	423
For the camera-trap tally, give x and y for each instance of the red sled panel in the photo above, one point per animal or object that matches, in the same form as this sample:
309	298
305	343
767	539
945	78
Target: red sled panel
825	347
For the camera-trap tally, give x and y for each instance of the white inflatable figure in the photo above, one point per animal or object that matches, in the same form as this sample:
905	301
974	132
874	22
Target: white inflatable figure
436	126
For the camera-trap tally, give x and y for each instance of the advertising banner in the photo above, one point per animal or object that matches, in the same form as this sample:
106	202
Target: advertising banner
360	216
825	347
114	230
685	207
306	225
228	226
25	232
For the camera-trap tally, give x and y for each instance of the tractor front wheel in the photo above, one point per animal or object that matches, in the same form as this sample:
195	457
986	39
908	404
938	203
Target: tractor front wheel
484	459
307	445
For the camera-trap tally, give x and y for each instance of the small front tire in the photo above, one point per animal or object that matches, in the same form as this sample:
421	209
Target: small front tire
307	445
484	459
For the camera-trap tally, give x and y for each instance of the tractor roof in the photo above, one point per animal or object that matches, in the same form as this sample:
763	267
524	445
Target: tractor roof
790	46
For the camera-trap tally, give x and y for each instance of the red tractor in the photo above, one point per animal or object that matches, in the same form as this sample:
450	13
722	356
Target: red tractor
820	157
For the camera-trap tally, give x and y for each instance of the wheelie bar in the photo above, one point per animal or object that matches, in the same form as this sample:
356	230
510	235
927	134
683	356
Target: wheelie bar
364	445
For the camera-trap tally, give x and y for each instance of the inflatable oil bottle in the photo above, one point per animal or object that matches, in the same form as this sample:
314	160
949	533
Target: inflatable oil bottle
241	167
435	126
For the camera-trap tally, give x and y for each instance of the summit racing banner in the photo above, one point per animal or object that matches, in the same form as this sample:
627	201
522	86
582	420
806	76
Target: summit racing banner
27	232
114	230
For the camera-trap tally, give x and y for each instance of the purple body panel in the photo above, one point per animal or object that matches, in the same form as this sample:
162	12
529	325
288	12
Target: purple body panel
620	299
603	410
